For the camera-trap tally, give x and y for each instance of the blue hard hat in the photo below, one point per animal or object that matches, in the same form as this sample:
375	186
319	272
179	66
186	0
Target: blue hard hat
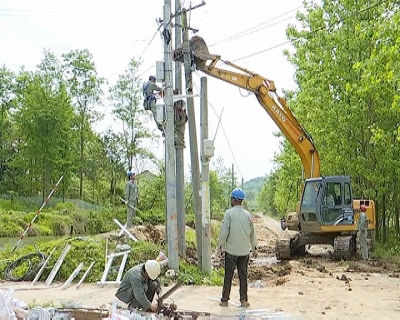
129	174
152	78
238	194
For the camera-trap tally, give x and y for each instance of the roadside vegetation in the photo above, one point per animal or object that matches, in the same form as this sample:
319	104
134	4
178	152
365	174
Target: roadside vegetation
346	68
93	236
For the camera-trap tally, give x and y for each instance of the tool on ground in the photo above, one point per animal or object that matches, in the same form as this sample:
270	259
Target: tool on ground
160	299
171	310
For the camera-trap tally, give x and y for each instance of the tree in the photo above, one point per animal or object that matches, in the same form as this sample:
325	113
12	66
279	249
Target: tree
7	88
220	187
126	96
44	116
115	164
345	54
85	89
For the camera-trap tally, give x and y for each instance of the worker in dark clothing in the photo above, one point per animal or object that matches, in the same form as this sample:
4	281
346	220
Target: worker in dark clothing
149	103
237	238
180	119
139	285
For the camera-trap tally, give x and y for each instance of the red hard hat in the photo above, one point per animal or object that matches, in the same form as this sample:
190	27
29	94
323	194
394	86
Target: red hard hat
363	207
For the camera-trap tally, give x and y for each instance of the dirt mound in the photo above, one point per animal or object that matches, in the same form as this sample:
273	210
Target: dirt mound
149	233
374	266
280	269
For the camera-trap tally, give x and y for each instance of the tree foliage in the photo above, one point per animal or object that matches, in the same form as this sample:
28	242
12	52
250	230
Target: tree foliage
44	118
85	88
345	55
7	89
125	97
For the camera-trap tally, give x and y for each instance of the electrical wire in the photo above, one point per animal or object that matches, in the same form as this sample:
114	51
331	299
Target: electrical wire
312	32
251	30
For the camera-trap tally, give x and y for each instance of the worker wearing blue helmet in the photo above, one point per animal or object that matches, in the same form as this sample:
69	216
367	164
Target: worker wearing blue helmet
237	238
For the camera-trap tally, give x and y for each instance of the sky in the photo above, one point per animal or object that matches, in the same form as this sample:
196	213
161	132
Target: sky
249	33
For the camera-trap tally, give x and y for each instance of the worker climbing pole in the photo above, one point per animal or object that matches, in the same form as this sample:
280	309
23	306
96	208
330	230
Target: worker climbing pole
180	119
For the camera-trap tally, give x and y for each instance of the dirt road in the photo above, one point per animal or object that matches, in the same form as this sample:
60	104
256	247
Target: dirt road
312	287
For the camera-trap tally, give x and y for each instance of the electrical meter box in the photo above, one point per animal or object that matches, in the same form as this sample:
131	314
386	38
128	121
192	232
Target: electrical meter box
160	107
160	70
208	148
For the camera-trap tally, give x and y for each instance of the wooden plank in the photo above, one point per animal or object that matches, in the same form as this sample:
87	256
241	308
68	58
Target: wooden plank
130	235
106	270
57	266
37	277
122	267
113	255
108	266
72	276
85	275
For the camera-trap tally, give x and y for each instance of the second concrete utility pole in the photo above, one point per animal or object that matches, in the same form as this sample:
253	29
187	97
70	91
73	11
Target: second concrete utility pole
194	153
172	227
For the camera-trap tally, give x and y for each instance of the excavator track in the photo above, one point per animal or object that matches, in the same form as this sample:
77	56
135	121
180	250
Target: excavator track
286	249
344	247
282	249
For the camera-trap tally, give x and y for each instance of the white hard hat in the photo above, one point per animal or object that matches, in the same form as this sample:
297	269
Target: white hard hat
152	268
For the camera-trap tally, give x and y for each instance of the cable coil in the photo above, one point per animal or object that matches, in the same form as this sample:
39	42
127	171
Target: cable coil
32	262
39	313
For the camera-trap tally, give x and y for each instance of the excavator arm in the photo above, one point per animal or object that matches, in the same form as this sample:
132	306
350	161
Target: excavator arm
266	95
277	109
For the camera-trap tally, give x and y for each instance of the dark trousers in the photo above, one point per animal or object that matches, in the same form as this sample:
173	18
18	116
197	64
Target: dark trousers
231	263
151	291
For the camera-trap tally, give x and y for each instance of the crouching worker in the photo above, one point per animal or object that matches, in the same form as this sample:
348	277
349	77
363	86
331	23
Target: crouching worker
139	285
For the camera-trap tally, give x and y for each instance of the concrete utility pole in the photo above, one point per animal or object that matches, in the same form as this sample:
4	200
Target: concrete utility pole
194	153
180	170
172	227
207	151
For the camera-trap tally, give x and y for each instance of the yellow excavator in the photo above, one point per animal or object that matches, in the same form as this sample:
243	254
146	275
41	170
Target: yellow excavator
327	211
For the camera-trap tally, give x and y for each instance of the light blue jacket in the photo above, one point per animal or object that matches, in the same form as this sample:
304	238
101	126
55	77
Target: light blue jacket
237	236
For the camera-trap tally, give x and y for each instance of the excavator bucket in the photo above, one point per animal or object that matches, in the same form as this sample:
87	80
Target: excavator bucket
200	52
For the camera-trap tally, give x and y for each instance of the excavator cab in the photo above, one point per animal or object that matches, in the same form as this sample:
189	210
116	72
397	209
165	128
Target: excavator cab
326	201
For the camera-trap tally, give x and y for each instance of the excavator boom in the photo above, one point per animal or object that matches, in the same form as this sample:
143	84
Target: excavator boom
277	109
265	92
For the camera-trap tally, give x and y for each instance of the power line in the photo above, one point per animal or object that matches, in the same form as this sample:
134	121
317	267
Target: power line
251	30
312	32
256	53
60	14
223	130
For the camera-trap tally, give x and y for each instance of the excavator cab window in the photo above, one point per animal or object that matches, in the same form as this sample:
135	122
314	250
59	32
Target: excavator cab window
333	194
347	194
331	202
309	201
